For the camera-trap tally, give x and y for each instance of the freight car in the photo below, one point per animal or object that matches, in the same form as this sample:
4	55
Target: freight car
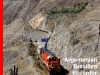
49	60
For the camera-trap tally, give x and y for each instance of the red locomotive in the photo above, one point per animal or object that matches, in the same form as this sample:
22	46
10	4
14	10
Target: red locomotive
51	62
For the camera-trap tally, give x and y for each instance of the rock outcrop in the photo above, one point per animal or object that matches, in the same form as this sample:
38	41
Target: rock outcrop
72	35
79	39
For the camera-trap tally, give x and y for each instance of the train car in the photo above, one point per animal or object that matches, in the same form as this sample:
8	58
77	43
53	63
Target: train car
50	61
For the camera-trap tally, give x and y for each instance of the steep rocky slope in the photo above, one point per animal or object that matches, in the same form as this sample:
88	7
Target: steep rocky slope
16	39
17	8
78	39
73	35
45	5
19	57
27	9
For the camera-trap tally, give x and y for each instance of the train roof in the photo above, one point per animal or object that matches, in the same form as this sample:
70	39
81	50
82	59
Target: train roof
48	52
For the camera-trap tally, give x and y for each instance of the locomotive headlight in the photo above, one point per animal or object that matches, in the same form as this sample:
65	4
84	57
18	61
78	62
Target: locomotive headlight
48	57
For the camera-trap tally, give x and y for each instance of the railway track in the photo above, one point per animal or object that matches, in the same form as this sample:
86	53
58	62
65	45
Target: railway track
44	45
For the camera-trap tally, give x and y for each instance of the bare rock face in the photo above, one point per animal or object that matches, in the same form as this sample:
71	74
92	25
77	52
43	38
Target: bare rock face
19	57
20	31
43	5
37	21
14	9
27	9
79	39
16	39
16	33
73	35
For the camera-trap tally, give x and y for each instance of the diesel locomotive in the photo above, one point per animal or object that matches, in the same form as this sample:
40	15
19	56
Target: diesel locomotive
49	60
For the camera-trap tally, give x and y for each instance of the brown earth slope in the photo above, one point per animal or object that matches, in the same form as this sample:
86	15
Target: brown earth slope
73	35
17	9
29	8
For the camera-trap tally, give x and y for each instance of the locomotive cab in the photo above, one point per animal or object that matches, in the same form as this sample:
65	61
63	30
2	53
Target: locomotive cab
52	63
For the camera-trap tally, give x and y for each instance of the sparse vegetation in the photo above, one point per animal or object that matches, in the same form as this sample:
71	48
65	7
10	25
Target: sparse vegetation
32	50
14	71
63	10
41	68
83	24
79	9
75	41
75	10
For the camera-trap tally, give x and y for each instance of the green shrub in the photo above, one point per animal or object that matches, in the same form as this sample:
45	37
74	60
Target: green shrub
56	11
51	11
71	11
63	10
32	50
78	9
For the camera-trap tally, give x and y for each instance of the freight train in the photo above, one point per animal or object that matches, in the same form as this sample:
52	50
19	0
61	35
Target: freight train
48	59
